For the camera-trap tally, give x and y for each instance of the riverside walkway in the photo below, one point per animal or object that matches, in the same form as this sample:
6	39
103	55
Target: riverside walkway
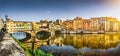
1	35
9	47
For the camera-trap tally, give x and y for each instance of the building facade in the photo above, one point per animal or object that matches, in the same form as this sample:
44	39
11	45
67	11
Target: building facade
1	23
86	25
110	24
13	26
68	24
94	25
78	23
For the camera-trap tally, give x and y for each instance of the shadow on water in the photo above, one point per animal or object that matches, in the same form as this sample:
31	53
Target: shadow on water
83	45
43	35
85	51
28	36
22	37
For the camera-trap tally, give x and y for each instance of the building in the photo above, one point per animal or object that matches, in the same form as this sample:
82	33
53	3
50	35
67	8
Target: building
86	24
17	25
43	24
78	23
116	26
104	24
1	23
36	25
94	25
58	22
110	24
68	24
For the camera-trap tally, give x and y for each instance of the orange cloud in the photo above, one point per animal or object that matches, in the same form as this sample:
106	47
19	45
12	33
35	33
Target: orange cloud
113	2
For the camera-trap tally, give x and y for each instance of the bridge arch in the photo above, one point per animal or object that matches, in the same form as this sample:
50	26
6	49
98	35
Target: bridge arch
32	34
43	34
28	35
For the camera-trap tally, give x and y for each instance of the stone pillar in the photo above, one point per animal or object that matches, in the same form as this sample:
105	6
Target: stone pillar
33	39
51	28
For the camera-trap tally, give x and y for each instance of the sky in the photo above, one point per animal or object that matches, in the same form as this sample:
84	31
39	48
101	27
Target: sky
36	10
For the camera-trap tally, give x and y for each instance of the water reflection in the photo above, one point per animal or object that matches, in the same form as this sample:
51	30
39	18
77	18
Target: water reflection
43	35
86	45
19	35
85	51
22	36
92	40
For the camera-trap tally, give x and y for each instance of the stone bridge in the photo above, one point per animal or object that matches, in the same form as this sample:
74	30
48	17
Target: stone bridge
33	33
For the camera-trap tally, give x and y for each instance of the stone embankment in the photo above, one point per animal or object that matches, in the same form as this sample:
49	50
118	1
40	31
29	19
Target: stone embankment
9	47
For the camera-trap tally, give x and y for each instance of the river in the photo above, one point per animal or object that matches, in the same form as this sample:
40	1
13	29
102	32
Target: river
82	45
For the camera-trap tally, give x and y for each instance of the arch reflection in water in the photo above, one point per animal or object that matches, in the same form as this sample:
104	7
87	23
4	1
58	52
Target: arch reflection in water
76	44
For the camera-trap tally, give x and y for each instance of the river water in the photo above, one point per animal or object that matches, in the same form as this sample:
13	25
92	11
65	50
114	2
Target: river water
83	45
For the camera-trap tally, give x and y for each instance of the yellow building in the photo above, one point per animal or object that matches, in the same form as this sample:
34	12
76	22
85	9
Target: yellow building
111	24
119	25
94	25
116	26
68	24
9	25
86	24
107	24
34	25
13	26
78	23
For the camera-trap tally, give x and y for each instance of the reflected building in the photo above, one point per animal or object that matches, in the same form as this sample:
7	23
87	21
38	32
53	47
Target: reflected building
92	40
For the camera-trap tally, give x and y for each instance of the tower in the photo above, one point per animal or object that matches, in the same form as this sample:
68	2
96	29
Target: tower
6	17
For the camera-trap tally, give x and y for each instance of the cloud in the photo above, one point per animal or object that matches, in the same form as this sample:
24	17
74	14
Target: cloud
115	3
